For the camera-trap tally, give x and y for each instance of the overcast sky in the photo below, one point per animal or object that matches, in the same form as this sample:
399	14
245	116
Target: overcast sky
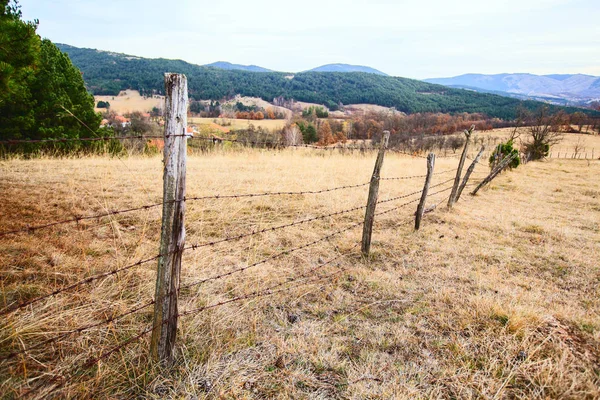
410	38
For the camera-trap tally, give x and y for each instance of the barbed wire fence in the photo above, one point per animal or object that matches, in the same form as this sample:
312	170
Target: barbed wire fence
169	288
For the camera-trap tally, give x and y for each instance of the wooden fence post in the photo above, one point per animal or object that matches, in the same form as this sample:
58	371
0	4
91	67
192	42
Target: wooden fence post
507	160
461	163
421	207
373	193
172	237
469	172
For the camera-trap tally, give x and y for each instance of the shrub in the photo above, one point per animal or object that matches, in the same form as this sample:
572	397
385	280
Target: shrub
503	150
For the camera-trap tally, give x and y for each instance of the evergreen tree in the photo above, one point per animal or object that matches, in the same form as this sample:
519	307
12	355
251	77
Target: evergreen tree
309	134
42	95
19	53
63	107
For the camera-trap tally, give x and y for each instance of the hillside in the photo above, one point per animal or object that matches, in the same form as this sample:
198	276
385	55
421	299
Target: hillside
109	73
575	88
346	68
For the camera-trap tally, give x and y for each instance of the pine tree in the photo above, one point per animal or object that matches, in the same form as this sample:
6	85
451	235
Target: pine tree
42	95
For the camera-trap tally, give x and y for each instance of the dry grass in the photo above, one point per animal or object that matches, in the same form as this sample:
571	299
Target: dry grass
257	101
496	298
235	124
130	101
583	144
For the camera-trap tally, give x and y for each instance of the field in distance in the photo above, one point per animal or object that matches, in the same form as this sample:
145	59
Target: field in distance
130	101
496	298
235	124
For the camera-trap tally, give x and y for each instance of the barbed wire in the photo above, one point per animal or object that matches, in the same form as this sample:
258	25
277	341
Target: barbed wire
77	219
145	305
282	193
197	246
269	290
288	225
8	309
88	139
416	176
258	293
91	279
277	288
77	331
286	252
265	144
270	258
440	191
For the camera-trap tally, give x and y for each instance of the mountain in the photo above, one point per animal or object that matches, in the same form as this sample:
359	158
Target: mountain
108	73
559	88
228	65
322	68
346	68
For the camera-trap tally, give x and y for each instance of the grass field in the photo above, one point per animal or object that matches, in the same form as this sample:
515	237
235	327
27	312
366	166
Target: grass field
129	101
571	142
233	124
497	298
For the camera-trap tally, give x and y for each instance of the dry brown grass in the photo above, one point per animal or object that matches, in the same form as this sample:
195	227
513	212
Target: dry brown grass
235	124
581	143
496	298
130	101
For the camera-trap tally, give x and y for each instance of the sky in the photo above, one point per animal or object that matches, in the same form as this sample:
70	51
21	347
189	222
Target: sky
410	38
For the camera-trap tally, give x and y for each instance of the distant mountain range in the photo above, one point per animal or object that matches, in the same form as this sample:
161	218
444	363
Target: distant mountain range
323	68
108	73
560	89
230	66
346	68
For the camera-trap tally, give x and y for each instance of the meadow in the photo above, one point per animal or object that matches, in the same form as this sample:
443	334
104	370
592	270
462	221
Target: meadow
497	297
237	124
130	101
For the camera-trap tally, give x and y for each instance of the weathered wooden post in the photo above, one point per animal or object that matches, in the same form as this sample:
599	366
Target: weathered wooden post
421	207
469	172
505	161
461	163
172	237
373	193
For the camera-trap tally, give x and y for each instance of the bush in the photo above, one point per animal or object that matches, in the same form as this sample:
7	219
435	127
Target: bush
103	104
503	150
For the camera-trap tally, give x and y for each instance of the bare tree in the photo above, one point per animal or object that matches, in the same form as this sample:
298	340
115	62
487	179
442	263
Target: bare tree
519	122
292	136
578	148
578	118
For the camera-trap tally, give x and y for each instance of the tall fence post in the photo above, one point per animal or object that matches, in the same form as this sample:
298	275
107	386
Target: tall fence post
421	207
373	193
172	237
461	163
469	172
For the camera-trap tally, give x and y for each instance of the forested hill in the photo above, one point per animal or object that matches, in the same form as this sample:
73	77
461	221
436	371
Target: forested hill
108	73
